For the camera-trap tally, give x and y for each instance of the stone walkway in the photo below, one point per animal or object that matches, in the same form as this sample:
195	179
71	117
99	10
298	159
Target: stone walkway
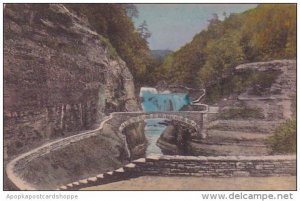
201	183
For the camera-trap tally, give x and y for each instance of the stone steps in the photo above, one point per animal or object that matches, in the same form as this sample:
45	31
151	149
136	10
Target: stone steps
235	137
248	126
228	149
125	172
211	166
222	143
178	165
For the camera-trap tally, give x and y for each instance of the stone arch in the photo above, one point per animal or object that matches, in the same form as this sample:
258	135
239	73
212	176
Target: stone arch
181	119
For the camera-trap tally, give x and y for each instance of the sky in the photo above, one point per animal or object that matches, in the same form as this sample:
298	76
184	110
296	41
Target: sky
174	25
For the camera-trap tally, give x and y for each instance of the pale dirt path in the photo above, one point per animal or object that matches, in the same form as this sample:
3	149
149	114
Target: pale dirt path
201	183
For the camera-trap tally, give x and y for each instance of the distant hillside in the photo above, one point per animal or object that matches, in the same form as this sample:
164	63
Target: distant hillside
264	33
160	54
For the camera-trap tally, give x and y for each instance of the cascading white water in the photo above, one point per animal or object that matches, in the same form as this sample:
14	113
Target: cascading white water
154	101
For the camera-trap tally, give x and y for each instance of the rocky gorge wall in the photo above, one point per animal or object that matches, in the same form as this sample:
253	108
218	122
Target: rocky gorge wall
272	94
247	119
60	77
69	158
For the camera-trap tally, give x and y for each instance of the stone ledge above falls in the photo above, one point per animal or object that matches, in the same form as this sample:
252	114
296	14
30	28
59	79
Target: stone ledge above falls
268	65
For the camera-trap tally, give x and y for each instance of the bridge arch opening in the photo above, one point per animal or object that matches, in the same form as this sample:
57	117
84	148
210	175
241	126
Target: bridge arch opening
183	120
188	129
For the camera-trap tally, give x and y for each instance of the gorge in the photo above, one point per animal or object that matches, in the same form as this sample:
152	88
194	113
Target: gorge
154	101
61	78
75	105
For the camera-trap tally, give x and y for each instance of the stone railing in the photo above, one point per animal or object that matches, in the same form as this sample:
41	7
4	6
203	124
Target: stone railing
15	166
225	166
221	166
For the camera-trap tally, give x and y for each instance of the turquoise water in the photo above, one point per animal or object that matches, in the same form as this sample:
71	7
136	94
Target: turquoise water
153	101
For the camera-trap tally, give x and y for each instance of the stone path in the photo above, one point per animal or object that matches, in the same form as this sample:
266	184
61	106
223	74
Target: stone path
236	137
14	166
25	158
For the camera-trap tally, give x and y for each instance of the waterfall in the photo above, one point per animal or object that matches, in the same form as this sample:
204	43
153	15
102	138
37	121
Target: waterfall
154	101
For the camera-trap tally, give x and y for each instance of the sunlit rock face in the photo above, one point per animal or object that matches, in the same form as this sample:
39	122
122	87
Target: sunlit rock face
246	120
275	93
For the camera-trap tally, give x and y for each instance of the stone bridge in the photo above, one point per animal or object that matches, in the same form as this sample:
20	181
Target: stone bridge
194	120
119	121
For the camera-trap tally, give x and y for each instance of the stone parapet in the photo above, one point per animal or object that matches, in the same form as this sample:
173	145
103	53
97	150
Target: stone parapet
220	166
225	166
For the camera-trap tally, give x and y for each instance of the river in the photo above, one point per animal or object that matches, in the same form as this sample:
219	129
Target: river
155	101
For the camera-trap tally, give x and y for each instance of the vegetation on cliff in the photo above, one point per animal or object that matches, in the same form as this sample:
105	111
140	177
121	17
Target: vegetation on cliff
266	32
59	76
241	113
284	139
114	22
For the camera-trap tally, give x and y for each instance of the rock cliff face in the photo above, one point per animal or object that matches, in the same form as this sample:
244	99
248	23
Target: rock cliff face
276	95
247	119
137	143
59	76
105	151
270	97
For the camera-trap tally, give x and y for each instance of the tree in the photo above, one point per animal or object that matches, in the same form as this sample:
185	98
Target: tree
284	138
114	22
143	30
263	33
131	10
214	20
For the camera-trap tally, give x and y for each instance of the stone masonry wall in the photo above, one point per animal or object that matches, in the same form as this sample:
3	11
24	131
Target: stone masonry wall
228	166
166	165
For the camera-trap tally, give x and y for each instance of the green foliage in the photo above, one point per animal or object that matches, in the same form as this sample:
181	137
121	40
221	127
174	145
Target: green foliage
143	30
112	51
271	31
114	22
264	33
257	82
241	113
260	81
284	138
222	56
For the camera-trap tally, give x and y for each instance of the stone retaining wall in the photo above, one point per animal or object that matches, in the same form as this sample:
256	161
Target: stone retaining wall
15	167
164	165
228	166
